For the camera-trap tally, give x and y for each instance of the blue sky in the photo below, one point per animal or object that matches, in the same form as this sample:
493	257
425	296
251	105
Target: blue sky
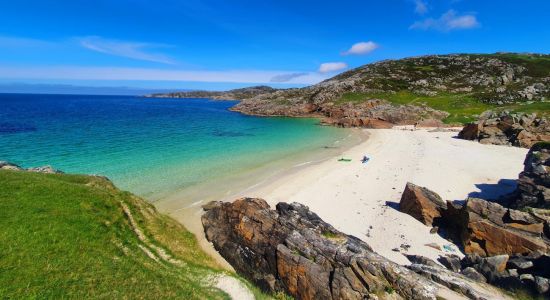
218	44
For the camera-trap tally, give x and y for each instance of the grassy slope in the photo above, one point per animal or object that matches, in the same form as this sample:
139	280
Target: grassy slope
67	236
463	107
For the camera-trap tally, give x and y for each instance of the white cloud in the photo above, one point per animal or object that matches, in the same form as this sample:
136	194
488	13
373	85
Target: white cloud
361	48
332	67
146	74
447	22
421	7
133	50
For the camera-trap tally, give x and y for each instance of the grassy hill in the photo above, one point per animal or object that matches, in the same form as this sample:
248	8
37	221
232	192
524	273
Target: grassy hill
464	85
74	236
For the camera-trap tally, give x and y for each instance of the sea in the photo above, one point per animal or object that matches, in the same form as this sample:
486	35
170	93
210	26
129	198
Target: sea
155	147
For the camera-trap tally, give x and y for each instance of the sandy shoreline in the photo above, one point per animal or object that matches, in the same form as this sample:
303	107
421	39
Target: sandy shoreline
360	199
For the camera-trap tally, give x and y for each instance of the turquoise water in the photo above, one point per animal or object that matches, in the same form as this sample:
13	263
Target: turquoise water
150	146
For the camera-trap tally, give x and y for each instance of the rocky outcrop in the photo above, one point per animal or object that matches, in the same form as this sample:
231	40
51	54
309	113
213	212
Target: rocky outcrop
291	249
379	114
505	128
489	229
482	227
422	204
505	247
4	165
400	92
534	182
527	273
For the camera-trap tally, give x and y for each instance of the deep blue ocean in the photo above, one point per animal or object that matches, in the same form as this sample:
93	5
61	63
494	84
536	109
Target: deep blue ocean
149	146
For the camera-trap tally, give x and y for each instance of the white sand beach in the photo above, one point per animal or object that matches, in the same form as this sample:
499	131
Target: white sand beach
362	199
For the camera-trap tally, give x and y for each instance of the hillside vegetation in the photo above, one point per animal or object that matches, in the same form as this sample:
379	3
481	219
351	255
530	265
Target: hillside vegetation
463	85
74	236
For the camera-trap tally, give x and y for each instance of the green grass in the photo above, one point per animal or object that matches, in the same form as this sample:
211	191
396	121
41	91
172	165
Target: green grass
329	235
67	236
462	108
540	108
537	65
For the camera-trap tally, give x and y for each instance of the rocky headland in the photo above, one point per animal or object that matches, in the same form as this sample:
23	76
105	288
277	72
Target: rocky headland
417	90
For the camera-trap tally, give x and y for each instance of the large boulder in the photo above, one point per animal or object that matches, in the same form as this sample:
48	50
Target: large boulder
482	227
291	249
534	182
422	204
505	128
490	229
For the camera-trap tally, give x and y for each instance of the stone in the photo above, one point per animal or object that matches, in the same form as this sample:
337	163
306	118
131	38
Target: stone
451	262
45	170
493	267
520	130
519	263
528	281
291	249
482	227
542	284
473	274
454	281
496	264
470	260
534	182
486	233
422	204
422	260
4	165
513	272
470	131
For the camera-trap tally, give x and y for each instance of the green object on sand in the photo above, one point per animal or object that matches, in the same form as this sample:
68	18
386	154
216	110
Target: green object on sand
345	159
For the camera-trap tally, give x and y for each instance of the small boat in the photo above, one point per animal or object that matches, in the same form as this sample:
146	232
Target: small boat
345	159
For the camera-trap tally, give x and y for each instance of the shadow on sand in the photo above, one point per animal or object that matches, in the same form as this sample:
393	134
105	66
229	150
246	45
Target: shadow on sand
495	192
